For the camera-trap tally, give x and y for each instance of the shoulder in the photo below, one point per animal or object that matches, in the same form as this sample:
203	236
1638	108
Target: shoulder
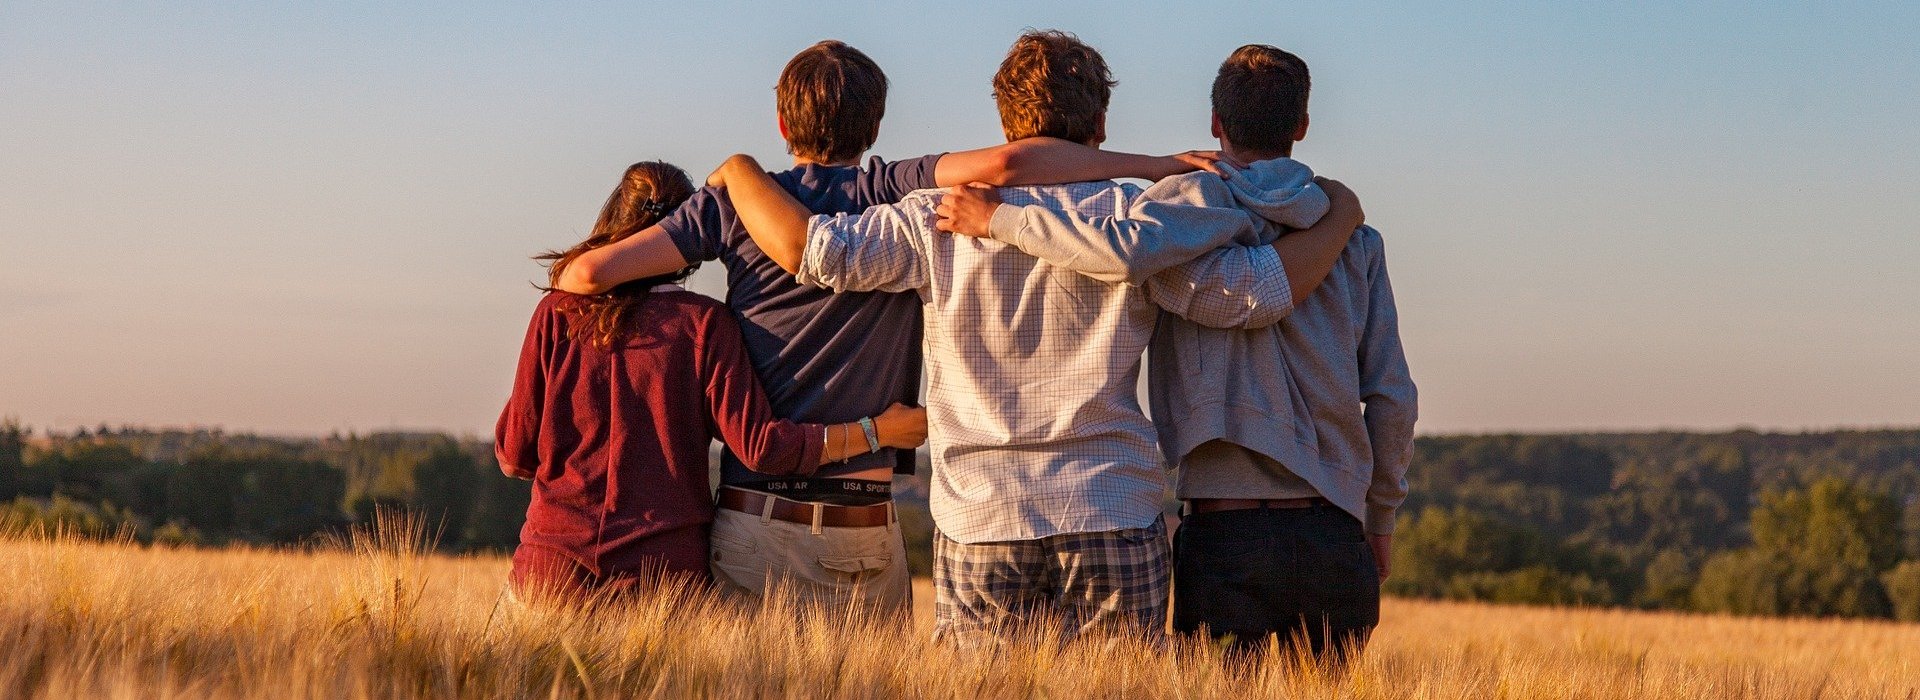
1081	196
1367	242
554	301
916	204
704	199
877	165
1199	188
690	302
697	211
551	312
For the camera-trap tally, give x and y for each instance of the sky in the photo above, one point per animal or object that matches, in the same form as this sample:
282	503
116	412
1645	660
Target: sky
307	217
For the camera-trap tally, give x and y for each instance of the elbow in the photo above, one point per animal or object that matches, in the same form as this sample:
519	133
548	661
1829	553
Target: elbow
790	263
515	471
584	276
1007	165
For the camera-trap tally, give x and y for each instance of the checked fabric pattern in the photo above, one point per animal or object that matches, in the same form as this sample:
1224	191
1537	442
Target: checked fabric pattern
1114	581
1035	427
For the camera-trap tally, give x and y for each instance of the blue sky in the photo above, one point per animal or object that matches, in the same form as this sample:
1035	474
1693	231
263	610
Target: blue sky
1599	216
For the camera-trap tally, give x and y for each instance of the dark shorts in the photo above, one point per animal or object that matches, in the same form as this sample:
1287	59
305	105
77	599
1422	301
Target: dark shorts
1305	574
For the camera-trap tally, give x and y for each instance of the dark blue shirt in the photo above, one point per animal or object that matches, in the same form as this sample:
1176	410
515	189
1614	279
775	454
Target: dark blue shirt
824	357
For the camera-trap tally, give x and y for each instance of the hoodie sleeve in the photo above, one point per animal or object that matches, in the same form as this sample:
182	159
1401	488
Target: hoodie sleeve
1386	389
1172	222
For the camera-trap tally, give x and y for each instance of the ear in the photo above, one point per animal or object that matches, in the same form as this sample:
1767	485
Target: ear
1218	132
782	123
1300	134
1099	130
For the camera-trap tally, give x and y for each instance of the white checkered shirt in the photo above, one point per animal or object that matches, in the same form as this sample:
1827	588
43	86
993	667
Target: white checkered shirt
1035	429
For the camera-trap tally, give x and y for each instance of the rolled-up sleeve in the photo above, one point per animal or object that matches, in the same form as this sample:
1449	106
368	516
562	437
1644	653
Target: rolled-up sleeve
883	249
1235	287
1170	223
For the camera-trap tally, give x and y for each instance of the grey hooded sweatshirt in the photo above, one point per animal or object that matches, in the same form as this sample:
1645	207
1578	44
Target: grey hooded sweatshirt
1325	392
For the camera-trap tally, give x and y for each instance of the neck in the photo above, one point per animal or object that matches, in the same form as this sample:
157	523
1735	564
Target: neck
1246	155
799	161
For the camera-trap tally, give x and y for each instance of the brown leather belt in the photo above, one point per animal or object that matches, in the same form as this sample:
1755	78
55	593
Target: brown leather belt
1215	505
754	503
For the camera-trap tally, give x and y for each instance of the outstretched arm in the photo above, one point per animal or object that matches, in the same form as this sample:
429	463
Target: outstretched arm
1169	226
649	253
1044	161
1252	286
776	221
737	408
882	249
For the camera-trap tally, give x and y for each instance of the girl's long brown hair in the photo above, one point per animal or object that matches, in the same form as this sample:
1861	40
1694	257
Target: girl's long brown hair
646	193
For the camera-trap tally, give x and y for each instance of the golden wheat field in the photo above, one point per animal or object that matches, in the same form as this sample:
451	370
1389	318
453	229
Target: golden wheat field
374	618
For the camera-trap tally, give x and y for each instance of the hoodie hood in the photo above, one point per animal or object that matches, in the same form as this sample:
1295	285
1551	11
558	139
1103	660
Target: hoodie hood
1280	190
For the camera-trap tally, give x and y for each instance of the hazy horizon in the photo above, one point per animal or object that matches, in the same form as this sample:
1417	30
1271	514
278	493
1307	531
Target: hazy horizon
296	220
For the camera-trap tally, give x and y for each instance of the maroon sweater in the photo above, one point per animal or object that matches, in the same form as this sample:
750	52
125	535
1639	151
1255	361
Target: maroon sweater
616	439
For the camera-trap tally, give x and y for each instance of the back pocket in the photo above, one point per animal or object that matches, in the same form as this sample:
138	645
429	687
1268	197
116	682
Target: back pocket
856	566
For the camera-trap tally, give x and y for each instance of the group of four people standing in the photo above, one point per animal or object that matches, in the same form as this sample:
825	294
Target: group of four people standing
1279	388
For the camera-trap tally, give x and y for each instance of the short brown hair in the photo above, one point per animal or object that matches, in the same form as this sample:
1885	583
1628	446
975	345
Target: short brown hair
831	97
1260	97
1052	84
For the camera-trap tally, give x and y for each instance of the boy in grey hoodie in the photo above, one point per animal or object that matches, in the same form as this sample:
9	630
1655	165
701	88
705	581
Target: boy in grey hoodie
1292	440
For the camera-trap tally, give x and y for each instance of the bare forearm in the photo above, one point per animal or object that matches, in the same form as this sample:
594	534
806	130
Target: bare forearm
844	440
648	253
900	427
1044	161
1309	255
776	221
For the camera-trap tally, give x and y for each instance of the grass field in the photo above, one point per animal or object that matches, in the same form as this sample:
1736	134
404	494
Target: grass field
374	619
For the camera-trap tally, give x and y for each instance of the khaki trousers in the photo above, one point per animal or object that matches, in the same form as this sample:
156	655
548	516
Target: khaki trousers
837	567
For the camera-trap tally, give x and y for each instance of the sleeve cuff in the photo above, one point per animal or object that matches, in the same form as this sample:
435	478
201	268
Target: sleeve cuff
813	450
1380	519
823	247
1274	290
1005	225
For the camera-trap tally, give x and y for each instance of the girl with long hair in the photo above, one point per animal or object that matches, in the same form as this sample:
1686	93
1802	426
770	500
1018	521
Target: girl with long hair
616	401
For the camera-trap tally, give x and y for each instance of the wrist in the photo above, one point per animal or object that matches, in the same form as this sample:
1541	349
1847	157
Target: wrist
887	430
1169	166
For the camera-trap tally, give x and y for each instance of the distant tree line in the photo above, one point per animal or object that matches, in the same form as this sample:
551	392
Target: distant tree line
207	487
1823	524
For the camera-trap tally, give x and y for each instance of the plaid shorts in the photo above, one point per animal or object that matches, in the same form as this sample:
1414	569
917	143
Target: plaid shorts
1111	582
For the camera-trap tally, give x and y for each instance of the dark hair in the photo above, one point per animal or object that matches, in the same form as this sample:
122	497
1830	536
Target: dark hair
1260	97
1052	84
646	193
831	97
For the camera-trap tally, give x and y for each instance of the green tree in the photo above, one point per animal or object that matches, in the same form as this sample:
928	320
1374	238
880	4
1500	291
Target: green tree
13	454
1669	581
1463	553
1903	590
287	500
498	512
444	486
1817	551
